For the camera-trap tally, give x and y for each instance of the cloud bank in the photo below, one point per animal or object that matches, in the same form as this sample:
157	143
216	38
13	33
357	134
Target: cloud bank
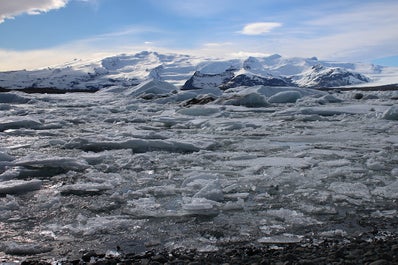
10	9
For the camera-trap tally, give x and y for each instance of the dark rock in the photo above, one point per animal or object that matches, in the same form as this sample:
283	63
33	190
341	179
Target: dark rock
358	96
199	100
244	80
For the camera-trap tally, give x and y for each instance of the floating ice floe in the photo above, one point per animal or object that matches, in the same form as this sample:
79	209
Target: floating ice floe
39	161
391	113
13	98
199	111
151	88
9	203
19	186
390	191
100	225
292	216
144	208
201	207
11	173
198	180
280	239
250	100
5	160
285	97
211	191
353	190
189	94
206	186
24	249
261	162
85	189
137	145
19	122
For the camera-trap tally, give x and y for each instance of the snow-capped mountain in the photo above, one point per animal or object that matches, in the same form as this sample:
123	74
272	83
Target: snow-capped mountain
321	76
189	72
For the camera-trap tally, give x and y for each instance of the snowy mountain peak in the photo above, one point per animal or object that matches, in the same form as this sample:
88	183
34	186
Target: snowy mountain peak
321	76
191	72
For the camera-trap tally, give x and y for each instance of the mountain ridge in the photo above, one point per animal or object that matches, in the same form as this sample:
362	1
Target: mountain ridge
189	72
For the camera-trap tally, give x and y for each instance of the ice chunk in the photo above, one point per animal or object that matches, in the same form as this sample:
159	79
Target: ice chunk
390	191
391	113
201	206
85	189
280	239
334	233
13	98
101	225
39	161
19	186
144	208
291	216
251	100
190	94
19	122
5	157
137	145
335	163
10	173
354	190
199	111
198	181
9	203
330	99
24	249
285	97
334	110
212	191
154	87
257	163
373	164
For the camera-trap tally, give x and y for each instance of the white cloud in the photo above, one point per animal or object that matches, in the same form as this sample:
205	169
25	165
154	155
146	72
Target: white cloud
11	8
217	44
245	54
259	28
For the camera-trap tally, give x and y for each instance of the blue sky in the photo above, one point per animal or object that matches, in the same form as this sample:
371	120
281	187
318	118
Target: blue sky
38	33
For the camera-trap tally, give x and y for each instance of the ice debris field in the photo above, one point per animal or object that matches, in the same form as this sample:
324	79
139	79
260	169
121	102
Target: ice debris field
254	165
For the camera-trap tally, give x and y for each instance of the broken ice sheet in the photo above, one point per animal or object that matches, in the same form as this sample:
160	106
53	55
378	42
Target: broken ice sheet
280	239
142	171
19	186
23	249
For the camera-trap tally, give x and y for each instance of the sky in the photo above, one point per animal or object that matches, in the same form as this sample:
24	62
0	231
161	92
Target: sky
40	33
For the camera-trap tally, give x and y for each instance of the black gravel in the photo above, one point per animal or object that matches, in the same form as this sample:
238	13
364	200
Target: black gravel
371	251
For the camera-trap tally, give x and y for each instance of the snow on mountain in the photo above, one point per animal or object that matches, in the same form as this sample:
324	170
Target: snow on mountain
321	76
201	80
189	72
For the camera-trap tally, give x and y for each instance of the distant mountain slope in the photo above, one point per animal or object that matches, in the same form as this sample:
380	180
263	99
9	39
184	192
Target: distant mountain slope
189	72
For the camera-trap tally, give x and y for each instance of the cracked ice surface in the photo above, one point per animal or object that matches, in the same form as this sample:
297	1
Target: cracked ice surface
101	170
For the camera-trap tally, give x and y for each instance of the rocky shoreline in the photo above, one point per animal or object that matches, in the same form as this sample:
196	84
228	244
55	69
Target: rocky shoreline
361	250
